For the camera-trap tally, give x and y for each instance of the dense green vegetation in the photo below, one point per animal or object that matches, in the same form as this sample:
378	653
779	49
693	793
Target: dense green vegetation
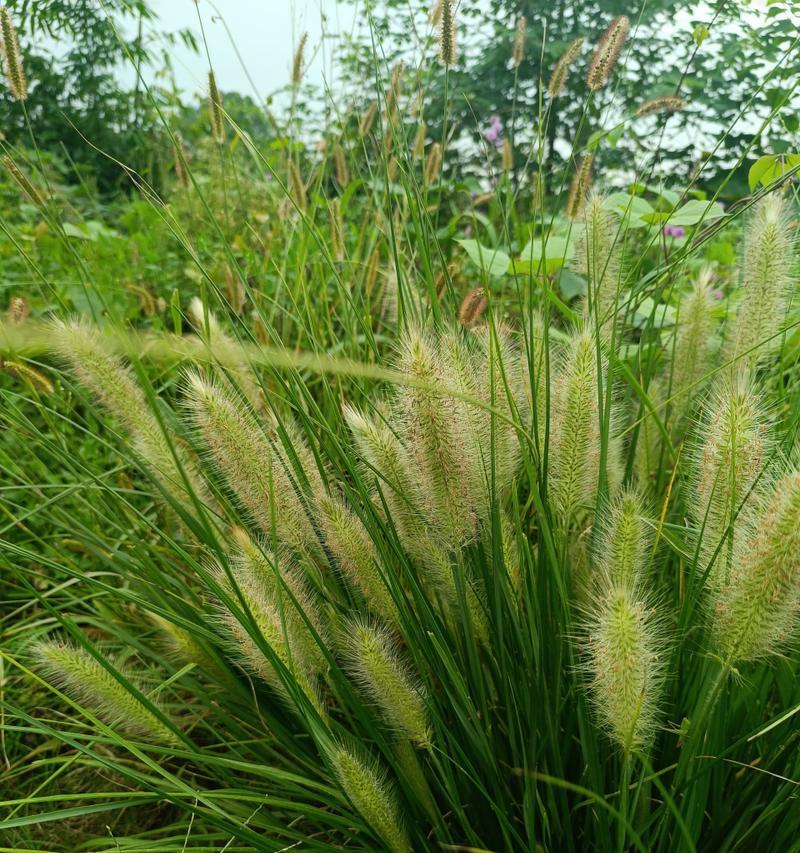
383	490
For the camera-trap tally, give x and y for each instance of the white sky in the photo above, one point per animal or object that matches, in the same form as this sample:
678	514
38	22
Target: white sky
266	33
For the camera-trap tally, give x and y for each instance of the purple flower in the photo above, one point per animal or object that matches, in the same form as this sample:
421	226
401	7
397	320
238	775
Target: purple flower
494	133
718	294
673	231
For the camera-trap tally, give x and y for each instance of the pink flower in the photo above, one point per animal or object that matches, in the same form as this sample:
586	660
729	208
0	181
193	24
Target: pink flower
494	133
718	294
673	231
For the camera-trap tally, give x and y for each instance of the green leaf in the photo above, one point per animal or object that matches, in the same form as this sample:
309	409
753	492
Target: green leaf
80	233
770	168
492	261
658	315
631	208
691	213
571	285
555	252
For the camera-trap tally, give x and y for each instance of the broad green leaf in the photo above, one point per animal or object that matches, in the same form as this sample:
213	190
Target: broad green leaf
691	213
493	262
631	208
557	251
571	285
648	312
78	232
770	167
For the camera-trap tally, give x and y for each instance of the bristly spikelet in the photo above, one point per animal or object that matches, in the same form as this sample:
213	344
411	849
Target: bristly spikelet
766	282
623	541
536	373
473	307
755	614
215	115
246	457
500	386
435	435
607	53
374	662
180	645
518	53
268	620
91	684
298	60
23	181
226	351
356	555
340	165
598	258
298	187
283	586
368	119
112	383
579	188
447	34
507	160
693	330
418	152
368	790
12	57
664	104
624	666
433	164
337	230
575	438
383	452
561	70
735	442
18	310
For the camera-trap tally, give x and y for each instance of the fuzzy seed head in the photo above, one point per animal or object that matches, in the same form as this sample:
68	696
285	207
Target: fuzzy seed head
575	441
447	34
113	385
298	187
298	61
375	664
419	142
12	57
623	541
473	307
433	164
22	181
81	676
624	666
216	116
518	53
579	188
735	442
607	53
766	281
340	164
368	119
337	230
755	614
507	160
355	553
598	258
436	434
368	790
664	104
247	458
562	68
694	330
